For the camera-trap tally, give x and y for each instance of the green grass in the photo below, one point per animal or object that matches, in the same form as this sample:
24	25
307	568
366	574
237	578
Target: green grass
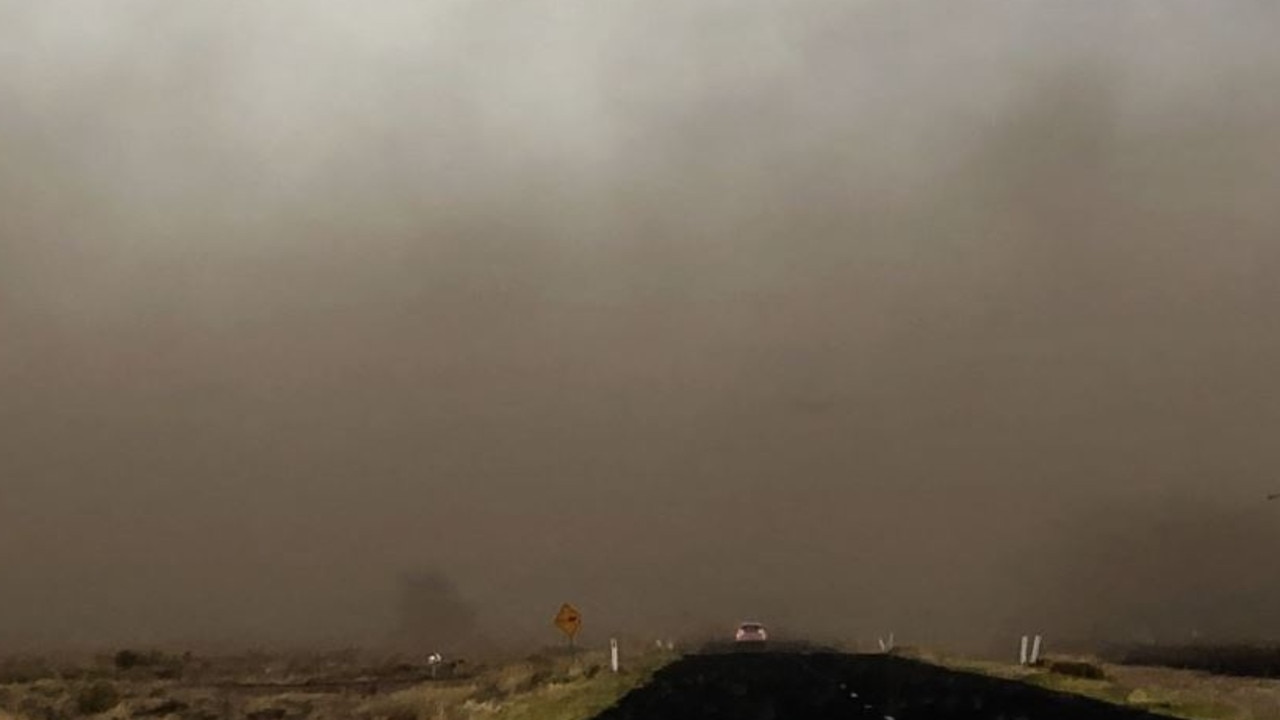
559	689
1178	694
1165	702
1104	690
575	699
1161	701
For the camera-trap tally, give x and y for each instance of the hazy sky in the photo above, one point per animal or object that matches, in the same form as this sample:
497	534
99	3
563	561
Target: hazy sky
847	316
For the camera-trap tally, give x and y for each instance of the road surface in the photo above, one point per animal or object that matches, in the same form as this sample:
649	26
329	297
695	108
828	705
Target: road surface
818	686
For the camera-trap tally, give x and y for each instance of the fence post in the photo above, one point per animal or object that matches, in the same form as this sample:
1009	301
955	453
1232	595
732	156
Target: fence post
1022	654
1035	651
613	654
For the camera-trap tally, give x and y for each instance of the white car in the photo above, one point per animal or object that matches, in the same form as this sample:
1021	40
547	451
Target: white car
751	632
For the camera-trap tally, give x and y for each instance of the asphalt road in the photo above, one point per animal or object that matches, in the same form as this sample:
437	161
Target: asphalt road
817	686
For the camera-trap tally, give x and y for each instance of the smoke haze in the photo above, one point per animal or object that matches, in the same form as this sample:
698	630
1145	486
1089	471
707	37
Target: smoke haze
947	319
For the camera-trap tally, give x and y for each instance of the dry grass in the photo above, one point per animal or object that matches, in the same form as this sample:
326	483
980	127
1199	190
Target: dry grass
1199	695
420	703
537	688
1176	693
576	694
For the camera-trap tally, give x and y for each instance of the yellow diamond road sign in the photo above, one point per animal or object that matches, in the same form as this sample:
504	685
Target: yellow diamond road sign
569	620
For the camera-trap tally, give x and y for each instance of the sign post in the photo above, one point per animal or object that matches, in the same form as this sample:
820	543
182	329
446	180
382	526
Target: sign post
569	620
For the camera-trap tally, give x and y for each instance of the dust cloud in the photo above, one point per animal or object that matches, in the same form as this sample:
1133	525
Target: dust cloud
952	320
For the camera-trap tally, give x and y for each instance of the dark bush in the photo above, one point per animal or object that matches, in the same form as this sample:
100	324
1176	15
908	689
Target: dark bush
97	698
160	708
160	665
1239	660
1077	668
128	659
489	692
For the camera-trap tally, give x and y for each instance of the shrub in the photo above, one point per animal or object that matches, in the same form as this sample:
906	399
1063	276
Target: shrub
97	698
1078	669
128	659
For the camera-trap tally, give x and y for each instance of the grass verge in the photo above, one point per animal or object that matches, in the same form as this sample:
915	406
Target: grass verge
540	689
1185	694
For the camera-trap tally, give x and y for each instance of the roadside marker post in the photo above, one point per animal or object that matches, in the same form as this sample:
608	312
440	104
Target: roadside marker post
1022	655
613	654
886	646
1035	651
